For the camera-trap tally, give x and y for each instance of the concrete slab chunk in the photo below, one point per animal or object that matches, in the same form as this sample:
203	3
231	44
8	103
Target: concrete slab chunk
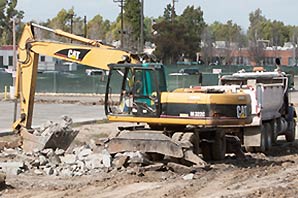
68	159
189	176
178	168
2	180
120	161
12	168
106	158
154	167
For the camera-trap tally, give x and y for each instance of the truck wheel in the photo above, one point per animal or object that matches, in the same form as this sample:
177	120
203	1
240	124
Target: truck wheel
262	148
219	146
273	131
269	136
291	133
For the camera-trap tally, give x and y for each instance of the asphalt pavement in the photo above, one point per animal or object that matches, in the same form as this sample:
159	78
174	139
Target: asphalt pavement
50	111
81	108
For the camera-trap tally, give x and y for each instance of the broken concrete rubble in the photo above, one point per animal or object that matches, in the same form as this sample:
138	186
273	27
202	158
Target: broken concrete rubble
82	161
52	159
12	168
189	176
50	135
2	180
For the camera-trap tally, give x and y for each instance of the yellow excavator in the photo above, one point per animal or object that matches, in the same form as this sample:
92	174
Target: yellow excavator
182	123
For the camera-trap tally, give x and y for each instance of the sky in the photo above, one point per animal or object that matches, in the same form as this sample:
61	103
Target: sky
214	10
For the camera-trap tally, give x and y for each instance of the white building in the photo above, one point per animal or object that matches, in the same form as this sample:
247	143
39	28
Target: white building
44	63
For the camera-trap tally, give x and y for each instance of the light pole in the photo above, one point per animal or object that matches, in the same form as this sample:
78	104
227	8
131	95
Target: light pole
122	31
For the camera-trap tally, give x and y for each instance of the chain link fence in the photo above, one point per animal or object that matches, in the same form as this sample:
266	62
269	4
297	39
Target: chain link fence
80	82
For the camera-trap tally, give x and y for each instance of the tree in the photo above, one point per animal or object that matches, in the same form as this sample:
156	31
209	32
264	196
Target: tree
192	19
132	18
229	32
67	21
178	37
256	36
169	14
257	23
148	29
233	37
207	45
7	13
98	28
169	41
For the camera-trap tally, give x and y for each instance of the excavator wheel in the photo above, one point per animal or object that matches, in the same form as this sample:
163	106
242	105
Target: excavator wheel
216	148
206	151
219	146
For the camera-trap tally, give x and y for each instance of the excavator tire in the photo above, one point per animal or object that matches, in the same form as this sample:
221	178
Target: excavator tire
219	146
216	148
206	151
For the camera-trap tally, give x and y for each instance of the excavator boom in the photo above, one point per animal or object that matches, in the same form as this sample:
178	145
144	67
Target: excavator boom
90	52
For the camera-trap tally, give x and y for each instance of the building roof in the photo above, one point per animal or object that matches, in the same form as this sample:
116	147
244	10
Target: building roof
6	47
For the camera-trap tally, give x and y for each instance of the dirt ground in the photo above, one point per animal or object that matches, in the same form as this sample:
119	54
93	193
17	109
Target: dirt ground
272	175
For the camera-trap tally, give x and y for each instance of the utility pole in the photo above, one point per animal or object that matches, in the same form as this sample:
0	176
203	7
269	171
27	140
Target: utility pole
14	63
85	26
142	27
122	31
71	25
173	10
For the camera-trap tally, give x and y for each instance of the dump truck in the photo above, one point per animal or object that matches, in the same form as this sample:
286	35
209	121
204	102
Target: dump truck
272	113
185	123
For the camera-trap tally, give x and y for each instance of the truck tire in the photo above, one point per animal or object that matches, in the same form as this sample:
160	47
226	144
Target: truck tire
274	131
291	132
219	146
269	136
263	146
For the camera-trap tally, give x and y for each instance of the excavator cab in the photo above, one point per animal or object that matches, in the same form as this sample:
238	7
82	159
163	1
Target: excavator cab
134	90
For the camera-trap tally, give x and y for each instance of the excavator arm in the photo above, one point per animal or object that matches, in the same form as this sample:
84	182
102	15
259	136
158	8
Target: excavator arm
90	52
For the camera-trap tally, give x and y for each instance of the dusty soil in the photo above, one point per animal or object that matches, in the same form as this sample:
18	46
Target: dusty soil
272	175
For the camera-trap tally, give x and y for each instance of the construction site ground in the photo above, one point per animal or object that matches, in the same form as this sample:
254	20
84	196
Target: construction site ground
274	174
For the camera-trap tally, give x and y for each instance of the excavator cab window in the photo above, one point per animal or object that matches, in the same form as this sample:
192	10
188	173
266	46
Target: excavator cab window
134	90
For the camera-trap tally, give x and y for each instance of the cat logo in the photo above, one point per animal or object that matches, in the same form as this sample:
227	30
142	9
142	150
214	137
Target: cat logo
241	111
73	54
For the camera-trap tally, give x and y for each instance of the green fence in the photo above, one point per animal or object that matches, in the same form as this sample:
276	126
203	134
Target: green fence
80	82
